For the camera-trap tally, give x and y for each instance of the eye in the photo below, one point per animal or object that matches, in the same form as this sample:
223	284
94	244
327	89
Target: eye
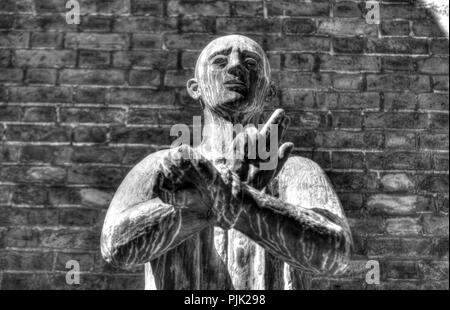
220	61
250	62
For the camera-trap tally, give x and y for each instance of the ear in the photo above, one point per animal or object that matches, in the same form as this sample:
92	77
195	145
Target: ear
193	89
271	92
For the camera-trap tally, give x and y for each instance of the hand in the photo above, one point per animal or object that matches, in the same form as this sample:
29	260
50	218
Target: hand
254	170
218	187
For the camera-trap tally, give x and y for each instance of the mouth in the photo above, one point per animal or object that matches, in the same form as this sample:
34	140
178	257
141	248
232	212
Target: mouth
236	85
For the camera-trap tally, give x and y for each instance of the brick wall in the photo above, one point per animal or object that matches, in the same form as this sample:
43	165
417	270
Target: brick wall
80	105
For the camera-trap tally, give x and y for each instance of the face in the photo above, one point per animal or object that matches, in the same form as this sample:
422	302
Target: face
232	76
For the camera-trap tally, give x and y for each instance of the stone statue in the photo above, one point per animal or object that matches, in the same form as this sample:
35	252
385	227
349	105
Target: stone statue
200	219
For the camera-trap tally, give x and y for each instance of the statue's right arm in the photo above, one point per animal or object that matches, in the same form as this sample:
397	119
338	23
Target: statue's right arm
143	223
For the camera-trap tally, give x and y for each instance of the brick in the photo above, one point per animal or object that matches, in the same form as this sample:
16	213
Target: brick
437	183
147	41
348	9
39	114
406	11
348	139
400	101
358	100
94	59
439	46
246	24
10	75
63	196
403	247
154	60
93	154
435	225
9	113
37	133
304	26
441	161
44	22
348	160
39	154
397	46
78	217
432	271
439	121
352	181
397	182
396	120
69	239
399	270
390	63
245	8
90	134
434	101
427	28
298	99
46	39
41	76
26	260
145	7
346	120
92	77
433	65
9	153
286	8
177	78
351	201
90	115
398	82
440	82
298	43
5	58
399	160
346	27
22	237
6	22
145	78
348	81
44	58
394	140
389	204
95	23
100	176
349	63
305	81
95	197
403	226
87	94
354	45
216	8
97	41
14	39
29	194
40	94
141	135
187	41
145	24
147	97
46	174
395	28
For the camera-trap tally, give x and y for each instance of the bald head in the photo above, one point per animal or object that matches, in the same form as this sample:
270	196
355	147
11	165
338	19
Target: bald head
232	76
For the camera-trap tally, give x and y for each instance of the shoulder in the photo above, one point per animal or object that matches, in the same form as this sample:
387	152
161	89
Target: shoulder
300	167
138	184
303	181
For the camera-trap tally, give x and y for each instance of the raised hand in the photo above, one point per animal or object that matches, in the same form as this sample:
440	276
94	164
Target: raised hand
244	157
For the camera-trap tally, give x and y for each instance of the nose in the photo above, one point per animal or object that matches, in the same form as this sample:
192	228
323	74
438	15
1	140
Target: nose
235	65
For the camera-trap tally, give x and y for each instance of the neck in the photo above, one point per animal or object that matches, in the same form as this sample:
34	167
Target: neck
218	133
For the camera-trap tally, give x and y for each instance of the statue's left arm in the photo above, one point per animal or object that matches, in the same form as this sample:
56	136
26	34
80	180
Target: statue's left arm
306	227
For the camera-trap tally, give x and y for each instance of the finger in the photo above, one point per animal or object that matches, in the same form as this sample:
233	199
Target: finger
283	128
275	119
283	155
